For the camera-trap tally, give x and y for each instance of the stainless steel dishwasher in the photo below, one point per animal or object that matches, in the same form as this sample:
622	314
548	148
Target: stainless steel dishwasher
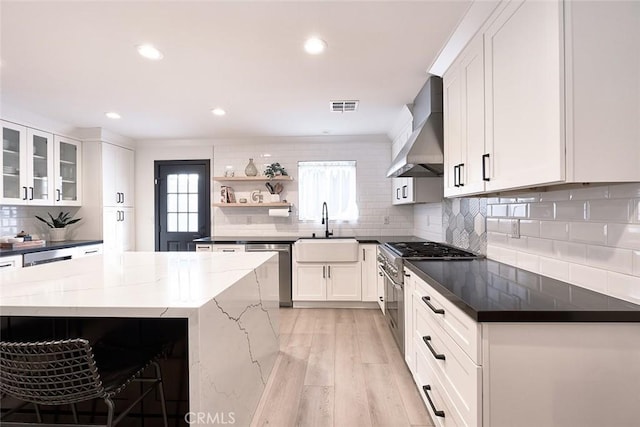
284	266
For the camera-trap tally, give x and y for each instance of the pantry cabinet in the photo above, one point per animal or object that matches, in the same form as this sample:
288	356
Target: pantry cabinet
118	175
536	99
118	229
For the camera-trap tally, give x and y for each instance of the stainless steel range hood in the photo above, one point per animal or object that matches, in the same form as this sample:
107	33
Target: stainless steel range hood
422	155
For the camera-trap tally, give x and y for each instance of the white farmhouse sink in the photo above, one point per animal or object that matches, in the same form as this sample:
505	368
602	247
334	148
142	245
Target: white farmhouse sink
326	250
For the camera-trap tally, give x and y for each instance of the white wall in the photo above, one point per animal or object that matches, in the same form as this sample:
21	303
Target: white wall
372	154
587	236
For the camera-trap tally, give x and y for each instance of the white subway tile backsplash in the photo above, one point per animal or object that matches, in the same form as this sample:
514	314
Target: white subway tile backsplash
493	200
529	198
571	211
498	210
610	210
540	246
518	210
519	243
624	287
589	193
624	236
588	232
554	196
529	227
505	226
542	210
612	259
568	251
635	210
496	239
554	268
624	191
493	224
589	277
528	261
508	199
636	263
557	230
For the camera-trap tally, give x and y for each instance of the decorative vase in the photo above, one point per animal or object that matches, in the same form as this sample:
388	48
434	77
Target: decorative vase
251	169
57	234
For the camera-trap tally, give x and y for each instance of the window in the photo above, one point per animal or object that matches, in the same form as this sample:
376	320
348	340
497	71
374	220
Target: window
182	202
333	182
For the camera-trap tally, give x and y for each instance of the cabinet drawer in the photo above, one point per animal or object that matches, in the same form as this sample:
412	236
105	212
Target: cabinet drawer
440	399
10	262
461	328
461	377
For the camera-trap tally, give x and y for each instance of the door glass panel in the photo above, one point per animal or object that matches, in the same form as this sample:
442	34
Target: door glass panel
68	171
182	202
40	167
11	163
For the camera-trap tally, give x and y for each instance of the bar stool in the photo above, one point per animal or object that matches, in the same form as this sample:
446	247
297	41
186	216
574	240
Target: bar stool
66	372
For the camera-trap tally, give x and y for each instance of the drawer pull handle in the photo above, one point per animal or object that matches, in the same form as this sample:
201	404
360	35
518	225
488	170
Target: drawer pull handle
436	355
10	264
437	413
435	310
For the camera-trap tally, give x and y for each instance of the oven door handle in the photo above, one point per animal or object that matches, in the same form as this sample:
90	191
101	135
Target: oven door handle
393	282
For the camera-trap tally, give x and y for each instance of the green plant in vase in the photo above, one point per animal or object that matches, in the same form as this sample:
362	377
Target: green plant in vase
274	169
59	224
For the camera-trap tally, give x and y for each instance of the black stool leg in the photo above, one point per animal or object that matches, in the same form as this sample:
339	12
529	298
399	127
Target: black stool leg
75	413
156	365
38	416
110	405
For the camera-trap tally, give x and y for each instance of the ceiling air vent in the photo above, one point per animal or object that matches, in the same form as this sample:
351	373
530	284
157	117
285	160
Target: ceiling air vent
343	106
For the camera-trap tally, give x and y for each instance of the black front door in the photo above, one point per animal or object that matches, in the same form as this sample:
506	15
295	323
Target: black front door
182	204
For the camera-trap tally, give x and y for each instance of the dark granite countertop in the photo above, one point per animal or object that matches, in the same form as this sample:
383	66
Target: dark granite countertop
490	291
49	246
240	240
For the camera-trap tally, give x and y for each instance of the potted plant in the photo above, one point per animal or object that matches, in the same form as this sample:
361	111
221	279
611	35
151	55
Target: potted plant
274	169
58	225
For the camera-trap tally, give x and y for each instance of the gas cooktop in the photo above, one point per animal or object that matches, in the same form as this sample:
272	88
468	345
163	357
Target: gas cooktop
422	250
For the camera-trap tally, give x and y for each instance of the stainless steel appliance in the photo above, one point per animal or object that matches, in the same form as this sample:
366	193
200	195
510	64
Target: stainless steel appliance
284	266
391	265
43	257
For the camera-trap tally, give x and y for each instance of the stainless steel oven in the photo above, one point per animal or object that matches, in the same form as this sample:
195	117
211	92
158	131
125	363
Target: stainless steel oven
393	296
391	266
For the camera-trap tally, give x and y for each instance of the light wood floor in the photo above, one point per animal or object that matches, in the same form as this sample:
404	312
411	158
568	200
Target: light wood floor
339	367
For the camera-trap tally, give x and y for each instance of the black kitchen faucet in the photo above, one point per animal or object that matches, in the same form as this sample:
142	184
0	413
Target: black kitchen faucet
325	220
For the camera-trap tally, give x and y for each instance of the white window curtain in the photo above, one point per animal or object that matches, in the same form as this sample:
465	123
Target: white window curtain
333	182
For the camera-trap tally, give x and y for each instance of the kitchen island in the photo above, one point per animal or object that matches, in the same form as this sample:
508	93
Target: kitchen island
229	301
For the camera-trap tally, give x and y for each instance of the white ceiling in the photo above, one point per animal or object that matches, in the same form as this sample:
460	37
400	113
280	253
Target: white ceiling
74	61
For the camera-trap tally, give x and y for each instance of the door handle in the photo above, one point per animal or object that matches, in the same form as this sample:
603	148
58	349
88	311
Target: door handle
484	167
364	255
25	193
460	183
31	189
435	310
329	271
404	193
398	193
455	176
324	273
122	197
57	195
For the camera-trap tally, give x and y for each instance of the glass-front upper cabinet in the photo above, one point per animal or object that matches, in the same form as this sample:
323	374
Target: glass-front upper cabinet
13	181
40	174
68	155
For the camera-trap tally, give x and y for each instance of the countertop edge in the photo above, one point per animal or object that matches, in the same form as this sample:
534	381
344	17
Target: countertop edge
531	316
50	246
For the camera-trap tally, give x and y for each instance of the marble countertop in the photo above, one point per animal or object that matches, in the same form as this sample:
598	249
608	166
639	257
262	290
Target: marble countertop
50	246
134	284
241	240
490	291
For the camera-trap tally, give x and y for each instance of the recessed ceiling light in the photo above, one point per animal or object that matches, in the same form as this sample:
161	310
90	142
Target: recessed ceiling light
150	52
315	45
112	115
218	112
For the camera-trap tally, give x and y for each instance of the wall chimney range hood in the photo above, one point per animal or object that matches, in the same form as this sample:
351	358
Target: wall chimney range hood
423	155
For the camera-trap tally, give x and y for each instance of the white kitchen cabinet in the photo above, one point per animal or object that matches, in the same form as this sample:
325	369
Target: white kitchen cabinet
119	229
14	164
40	167
369	273
309	282
557	104
88	250
523	84
118	175
68	171
227	248
12	262
464	122
327	282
